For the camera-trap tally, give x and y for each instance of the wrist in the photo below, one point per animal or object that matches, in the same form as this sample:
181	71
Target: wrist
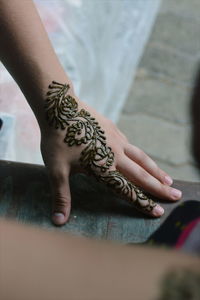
36	95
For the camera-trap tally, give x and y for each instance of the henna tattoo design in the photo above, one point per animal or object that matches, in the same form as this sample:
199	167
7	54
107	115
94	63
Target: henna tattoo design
123	186
82	129
62	112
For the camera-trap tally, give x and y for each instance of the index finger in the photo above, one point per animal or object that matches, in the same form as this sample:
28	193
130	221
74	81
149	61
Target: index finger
120	184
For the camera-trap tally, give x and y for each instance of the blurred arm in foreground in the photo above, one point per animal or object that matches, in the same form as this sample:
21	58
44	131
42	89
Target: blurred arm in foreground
36	264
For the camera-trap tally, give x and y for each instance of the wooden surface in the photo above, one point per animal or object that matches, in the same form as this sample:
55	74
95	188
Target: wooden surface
96	211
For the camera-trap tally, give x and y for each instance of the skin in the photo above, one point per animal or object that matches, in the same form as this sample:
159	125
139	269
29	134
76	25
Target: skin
59	266
28	55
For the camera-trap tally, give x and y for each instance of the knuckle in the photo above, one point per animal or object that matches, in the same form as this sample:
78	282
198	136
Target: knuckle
145	158
58	176
125	138
122	135
142	153
142	156
153	164
161	174
61	202
164	190
144	176
156	172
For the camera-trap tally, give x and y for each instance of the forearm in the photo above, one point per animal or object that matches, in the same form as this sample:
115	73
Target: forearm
26	51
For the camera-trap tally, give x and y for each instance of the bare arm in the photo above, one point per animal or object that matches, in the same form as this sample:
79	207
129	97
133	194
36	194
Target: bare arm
36	264
103	150
26	51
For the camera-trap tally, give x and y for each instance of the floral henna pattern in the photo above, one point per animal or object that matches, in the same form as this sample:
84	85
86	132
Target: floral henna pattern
62	113
123	186
82	129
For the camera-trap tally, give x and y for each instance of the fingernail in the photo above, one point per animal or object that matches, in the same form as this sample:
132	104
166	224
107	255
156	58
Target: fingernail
58	217
176	194
168	180
158	211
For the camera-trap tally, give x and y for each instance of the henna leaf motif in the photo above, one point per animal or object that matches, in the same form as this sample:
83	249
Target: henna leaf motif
82	129
62	113
60	107
124	187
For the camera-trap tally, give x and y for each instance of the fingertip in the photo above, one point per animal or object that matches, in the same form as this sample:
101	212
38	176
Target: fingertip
158	211
168	180
59	218
176	194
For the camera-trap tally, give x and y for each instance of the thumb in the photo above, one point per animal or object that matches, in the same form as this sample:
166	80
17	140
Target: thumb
61	197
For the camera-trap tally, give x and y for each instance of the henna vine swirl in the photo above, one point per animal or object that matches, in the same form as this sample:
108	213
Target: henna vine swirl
81	128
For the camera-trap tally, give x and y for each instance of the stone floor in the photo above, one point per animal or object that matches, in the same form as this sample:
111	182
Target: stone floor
156	116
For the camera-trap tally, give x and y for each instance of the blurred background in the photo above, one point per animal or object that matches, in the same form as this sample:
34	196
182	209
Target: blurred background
135	61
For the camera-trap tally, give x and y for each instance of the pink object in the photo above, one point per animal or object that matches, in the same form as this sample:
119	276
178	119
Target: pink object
186	232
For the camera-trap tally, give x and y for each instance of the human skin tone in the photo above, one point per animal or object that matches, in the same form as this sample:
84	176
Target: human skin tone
47	265
26	52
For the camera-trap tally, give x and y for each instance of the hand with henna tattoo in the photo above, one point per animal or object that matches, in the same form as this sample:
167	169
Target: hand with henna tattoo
95	145
73	135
